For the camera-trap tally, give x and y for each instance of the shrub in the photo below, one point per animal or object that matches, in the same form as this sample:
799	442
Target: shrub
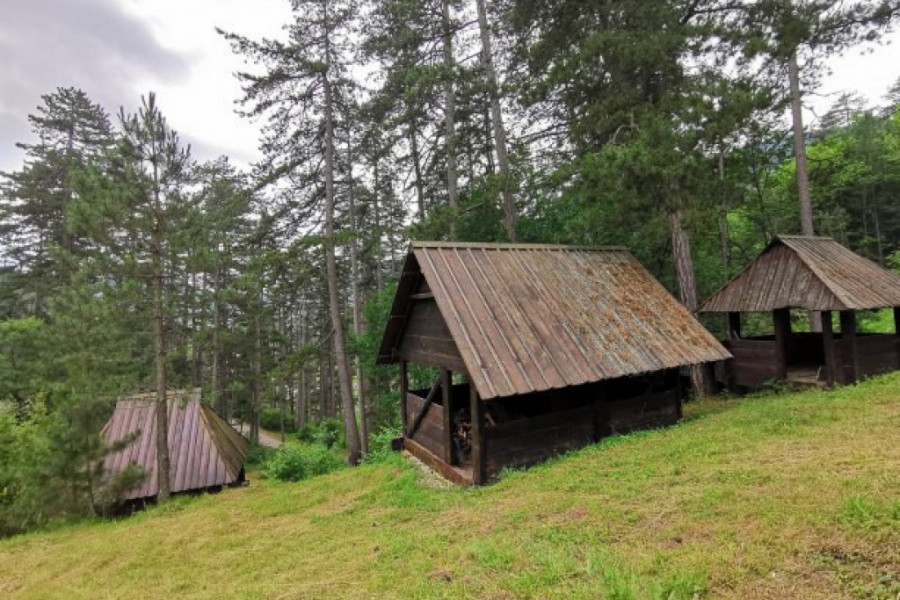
380	444
294	463
270	418
328	433
258	454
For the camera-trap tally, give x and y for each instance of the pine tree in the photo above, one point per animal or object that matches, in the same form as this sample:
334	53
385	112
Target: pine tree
71	130
133	206
301	92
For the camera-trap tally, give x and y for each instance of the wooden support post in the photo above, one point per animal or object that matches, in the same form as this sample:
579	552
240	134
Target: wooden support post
447	400
404	389
734	326
679	393
478	446
828	347
848	345
782	318
897	333
600	412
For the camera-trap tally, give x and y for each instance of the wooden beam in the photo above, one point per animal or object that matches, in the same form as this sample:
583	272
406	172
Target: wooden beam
828	347
478	446
432	394
452	474
897	332
422	296
404	389
850	354
447	400
734	326
680	393
782	319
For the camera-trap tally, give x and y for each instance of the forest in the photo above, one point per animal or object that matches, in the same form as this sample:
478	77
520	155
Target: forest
673	128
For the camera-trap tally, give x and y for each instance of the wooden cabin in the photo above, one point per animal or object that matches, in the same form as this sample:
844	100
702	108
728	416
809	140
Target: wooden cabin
814	274
205	452
538	349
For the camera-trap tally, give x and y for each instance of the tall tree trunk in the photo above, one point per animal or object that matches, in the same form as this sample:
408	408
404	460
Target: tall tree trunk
684	270
376	214
351	432
724	233
256	374
499	131
217	399
801	167
417	171
357	310
159	341
806	215
449	110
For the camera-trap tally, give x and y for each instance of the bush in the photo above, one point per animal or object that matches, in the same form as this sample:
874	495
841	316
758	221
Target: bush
380	444
328	433
270	418
294	463
258	454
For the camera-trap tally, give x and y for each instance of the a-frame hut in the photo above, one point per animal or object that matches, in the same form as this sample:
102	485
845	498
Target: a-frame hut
205	452
815	274
539	349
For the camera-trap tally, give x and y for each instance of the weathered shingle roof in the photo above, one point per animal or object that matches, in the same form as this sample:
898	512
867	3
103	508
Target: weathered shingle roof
529	318
814	273
204	450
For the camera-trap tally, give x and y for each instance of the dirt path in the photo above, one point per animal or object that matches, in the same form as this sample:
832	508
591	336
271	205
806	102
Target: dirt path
266	438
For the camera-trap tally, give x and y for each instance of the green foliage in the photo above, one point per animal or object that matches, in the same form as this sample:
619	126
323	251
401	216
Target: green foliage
258	455
296	462
271	419
380	444
327	433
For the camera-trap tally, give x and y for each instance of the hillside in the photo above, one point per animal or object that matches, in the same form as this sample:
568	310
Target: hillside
791	496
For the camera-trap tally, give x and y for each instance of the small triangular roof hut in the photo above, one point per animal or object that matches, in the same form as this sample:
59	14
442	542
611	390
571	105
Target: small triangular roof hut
205	452
815	274
523	321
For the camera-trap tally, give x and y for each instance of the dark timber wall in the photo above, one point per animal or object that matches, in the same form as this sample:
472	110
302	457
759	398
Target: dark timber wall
429	435
755	360
427	340
524	430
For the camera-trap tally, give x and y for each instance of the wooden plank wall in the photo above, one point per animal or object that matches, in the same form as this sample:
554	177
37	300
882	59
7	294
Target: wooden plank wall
525	442
754	362
658	409
878	353
430	433
427	340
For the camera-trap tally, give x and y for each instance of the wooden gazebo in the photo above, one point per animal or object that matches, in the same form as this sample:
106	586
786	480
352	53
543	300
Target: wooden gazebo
554	347
815	274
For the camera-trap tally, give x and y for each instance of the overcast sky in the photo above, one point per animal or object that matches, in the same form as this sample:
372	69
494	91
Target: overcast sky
117	50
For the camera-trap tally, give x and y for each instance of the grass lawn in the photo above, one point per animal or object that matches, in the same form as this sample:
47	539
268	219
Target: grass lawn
790	496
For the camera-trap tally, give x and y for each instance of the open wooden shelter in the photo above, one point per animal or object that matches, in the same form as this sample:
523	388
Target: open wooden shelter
815	274
205	452
540	349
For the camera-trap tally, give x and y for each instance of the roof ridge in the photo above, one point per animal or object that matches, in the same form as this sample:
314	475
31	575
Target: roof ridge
837	290
798	236
414	244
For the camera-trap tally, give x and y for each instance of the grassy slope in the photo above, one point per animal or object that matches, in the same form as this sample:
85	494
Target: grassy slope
795	496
